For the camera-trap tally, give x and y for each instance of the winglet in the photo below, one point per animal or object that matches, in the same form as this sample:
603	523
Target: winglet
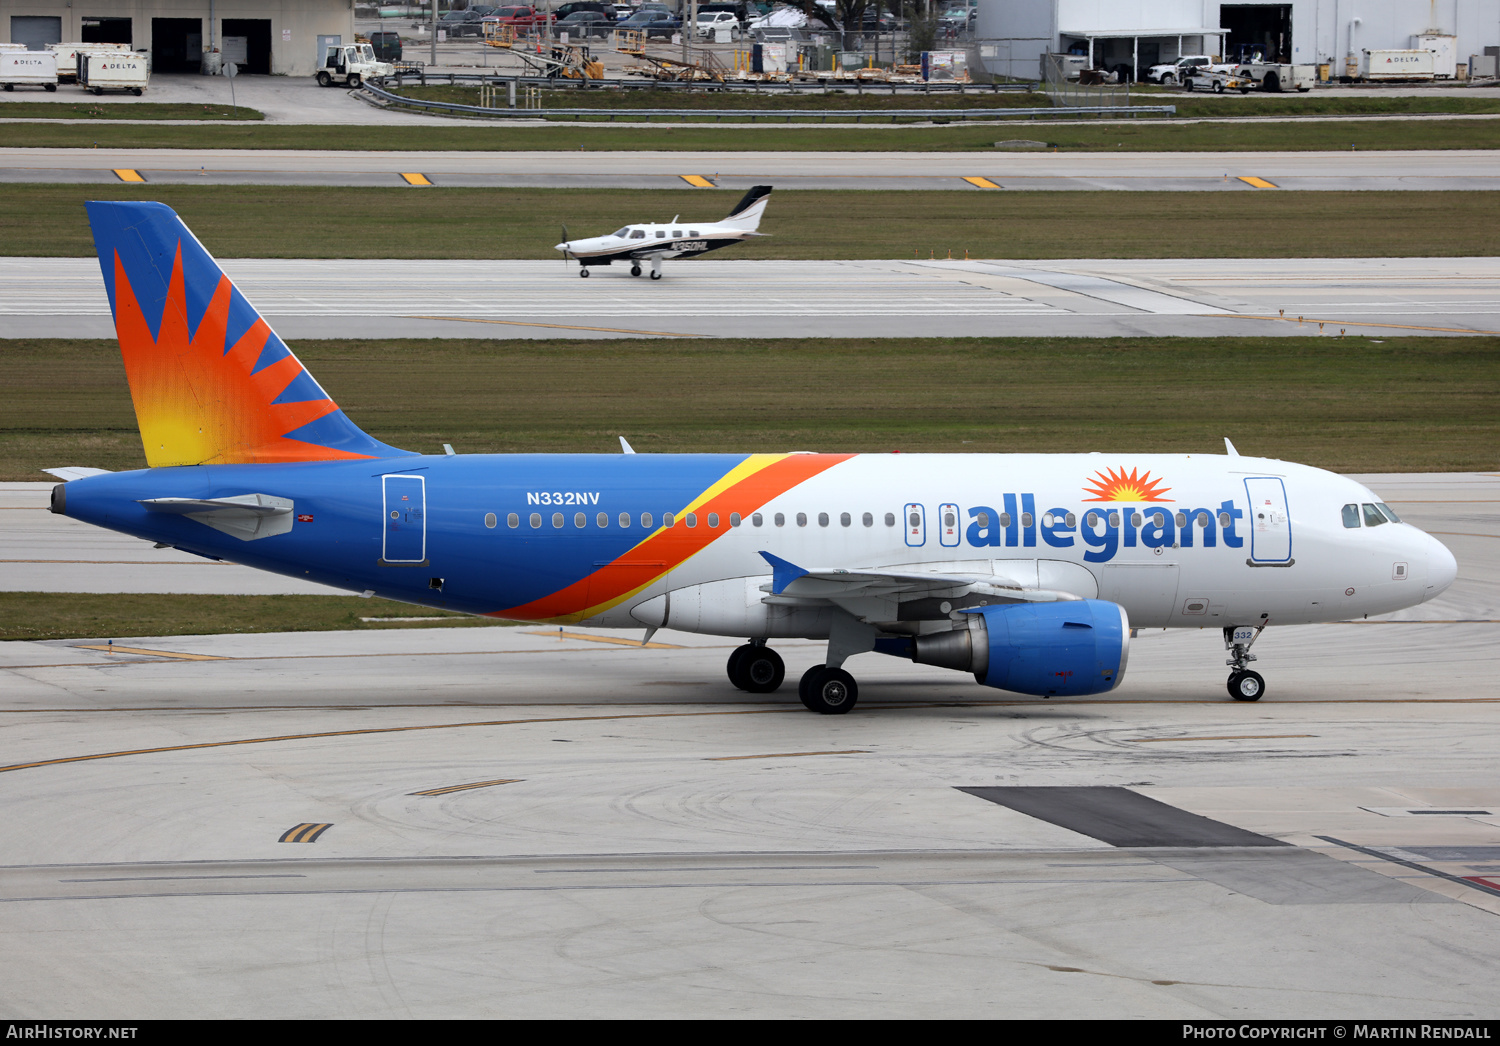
782	572
1229	448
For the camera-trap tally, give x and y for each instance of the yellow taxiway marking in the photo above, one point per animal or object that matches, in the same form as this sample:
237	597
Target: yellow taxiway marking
304	833
416	179
109	648
1225	737
1307	320
125	174
466	787
697	181
981	183
614	640
784	755
558	326
1257	183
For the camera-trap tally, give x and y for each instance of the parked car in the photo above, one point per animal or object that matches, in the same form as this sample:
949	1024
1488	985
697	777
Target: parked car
461	23
710	22
653	23
386	44
575	6
520	17
581	25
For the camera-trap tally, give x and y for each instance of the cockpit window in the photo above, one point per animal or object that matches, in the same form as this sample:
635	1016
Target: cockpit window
638	234
1373	518
623	232
1388	513
1351	516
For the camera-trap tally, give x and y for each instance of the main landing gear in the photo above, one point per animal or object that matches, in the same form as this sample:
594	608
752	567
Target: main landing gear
756	668
1244	685
827	691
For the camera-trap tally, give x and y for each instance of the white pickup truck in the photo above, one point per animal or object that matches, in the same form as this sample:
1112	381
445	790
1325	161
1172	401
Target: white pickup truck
1172	73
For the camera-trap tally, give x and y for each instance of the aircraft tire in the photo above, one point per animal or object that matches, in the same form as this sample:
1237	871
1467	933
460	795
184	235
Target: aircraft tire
832	691
1246	686
583	271
803	686
656	274
762	670
635	270
735	666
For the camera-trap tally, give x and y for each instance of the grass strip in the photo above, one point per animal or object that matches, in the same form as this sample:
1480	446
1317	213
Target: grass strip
1189	104
123	111
362	222
1086	135
1352	405
70	615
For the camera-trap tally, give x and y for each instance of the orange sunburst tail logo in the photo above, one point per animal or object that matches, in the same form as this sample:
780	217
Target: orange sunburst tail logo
211	382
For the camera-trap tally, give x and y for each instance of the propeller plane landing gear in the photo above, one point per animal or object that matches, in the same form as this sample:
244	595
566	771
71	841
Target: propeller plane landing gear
635	269
827	691
1244	685
583	270
656	268
756	668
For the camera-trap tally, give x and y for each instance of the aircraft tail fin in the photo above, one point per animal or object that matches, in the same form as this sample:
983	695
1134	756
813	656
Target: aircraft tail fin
211	382
746	213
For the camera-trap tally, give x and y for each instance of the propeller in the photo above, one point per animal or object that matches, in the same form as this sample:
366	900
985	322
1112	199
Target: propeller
566	253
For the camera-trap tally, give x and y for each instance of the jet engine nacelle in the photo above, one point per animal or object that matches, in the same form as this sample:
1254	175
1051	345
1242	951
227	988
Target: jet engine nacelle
1067	649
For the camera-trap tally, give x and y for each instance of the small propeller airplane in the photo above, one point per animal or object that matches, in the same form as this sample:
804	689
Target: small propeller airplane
675	239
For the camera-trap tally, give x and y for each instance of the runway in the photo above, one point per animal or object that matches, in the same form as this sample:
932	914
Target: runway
64	297
511	822
1452	170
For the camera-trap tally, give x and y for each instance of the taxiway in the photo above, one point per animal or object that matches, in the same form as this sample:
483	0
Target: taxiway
64	297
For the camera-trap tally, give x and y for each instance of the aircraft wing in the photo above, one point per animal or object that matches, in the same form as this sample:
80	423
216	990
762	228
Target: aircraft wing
880	595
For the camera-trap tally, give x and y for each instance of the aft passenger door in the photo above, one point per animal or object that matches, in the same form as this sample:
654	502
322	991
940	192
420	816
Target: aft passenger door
1270	521
405	508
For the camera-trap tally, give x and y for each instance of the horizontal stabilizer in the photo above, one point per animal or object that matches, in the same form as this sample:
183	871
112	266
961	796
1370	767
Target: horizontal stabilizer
68	473
244	516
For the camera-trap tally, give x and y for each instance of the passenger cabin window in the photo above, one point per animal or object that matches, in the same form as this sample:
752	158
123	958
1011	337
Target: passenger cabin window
758	520
890	519
1351	517
638	234
780	519
676	232
1373	518
867	519
624	519
646	520
661	234
693	233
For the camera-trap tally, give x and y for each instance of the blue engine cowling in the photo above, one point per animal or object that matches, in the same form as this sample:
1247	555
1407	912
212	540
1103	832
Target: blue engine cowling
1068	648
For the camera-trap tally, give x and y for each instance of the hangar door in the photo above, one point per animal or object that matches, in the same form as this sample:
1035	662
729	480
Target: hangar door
256	32
35	31
176	45
106	31
1266	28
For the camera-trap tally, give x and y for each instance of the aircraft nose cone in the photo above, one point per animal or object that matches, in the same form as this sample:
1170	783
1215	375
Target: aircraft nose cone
1442	568
560	247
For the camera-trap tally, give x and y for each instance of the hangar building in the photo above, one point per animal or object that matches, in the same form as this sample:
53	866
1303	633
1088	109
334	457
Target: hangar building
1011	35
263	36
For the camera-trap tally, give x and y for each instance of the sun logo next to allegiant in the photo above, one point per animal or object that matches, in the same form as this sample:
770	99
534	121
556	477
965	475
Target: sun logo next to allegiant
1105	530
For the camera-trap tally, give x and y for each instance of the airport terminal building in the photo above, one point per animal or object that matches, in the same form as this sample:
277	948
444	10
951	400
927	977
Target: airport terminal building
1011	35
282	37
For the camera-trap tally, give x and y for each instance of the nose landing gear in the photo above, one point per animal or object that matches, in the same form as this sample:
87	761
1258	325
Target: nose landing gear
635	269
1244	685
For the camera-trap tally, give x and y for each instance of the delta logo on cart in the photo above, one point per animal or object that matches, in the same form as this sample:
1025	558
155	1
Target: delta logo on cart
1134	485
